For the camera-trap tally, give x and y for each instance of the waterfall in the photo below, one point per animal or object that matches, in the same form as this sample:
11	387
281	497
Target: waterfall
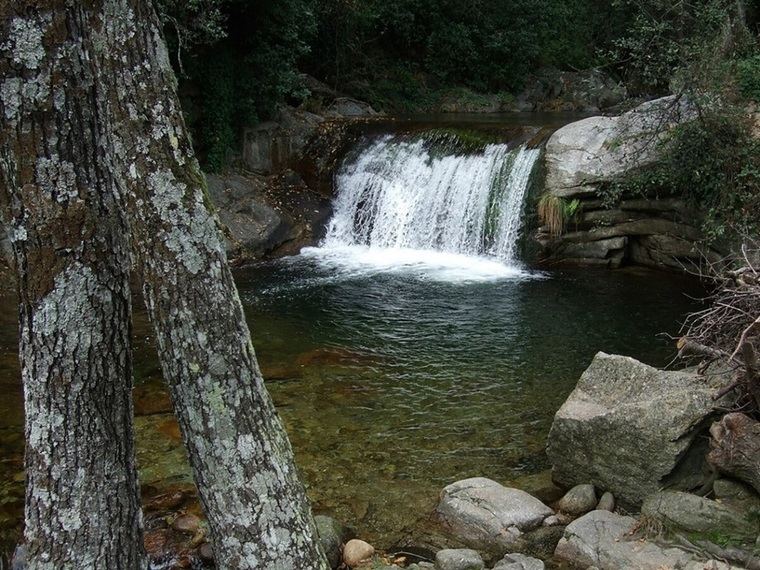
424	195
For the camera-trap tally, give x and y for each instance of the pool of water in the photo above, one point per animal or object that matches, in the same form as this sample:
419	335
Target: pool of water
397	373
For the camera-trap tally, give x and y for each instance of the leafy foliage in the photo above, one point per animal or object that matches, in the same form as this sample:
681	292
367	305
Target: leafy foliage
715	163
748	76
240	63
555	212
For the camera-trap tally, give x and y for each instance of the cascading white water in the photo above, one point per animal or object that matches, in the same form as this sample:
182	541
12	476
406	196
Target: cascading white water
408	194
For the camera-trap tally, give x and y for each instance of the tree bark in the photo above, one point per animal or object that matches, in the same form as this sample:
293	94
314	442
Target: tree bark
243	464
735	448
59	198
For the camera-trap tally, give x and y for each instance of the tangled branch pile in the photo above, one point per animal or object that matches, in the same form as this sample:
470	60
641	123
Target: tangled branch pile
728	330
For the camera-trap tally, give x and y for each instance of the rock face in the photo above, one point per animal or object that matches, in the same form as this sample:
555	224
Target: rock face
626	426
691	513
243	209
274	145
585	155
259	214
485	514
588	91
602	539
458	559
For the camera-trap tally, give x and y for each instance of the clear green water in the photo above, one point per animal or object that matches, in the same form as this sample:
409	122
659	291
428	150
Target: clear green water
393	384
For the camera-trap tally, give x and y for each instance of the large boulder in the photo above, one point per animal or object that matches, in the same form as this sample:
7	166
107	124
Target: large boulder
604	540
627	426
486	515
583	154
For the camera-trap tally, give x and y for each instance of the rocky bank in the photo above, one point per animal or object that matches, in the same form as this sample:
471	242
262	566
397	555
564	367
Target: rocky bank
585	157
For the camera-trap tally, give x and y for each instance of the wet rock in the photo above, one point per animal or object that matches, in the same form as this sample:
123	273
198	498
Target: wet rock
332	535
157	542
484	514
206	552
356	551
539	543
606	503
579	500
166	501
601	539
421	566
149	400
458	559
187	523
627	426
690	513
519	562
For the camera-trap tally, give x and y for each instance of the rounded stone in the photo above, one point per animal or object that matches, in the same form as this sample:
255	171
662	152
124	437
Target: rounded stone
357	551
579	500
206	553
187	523
606	503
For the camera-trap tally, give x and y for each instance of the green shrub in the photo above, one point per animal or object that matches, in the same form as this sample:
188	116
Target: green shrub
748	77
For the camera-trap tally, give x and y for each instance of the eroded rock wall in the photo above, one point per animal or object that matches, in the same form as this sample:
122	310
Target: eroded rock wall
584	156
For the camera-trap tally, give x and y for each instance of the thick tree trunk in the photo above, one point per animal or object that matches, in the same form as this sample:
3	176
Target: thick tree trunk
735	448
69	236
256	506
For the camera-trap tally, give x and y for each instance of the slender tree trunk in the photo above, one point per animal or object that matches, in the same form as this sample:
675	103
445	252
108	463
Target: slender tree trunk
69	235
243	464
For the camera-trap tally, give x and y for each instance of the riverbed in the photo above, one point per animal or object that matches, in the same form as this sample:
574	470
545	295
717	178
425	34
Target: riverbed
395	377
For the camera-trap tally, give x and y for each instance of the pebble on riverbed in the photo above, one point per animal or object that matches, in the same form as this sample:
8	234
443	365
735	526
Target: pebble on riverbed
579	500
357	551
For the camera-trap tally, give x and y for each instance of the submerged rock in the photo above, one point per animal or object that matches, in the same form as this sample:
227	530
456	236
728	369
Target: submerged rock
626	426
458	559
484	514
578	501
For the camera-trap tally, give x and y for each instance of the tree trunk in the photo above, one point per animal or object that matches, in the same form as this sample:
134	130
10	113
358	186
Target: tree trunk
243	464
59	199
735	448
